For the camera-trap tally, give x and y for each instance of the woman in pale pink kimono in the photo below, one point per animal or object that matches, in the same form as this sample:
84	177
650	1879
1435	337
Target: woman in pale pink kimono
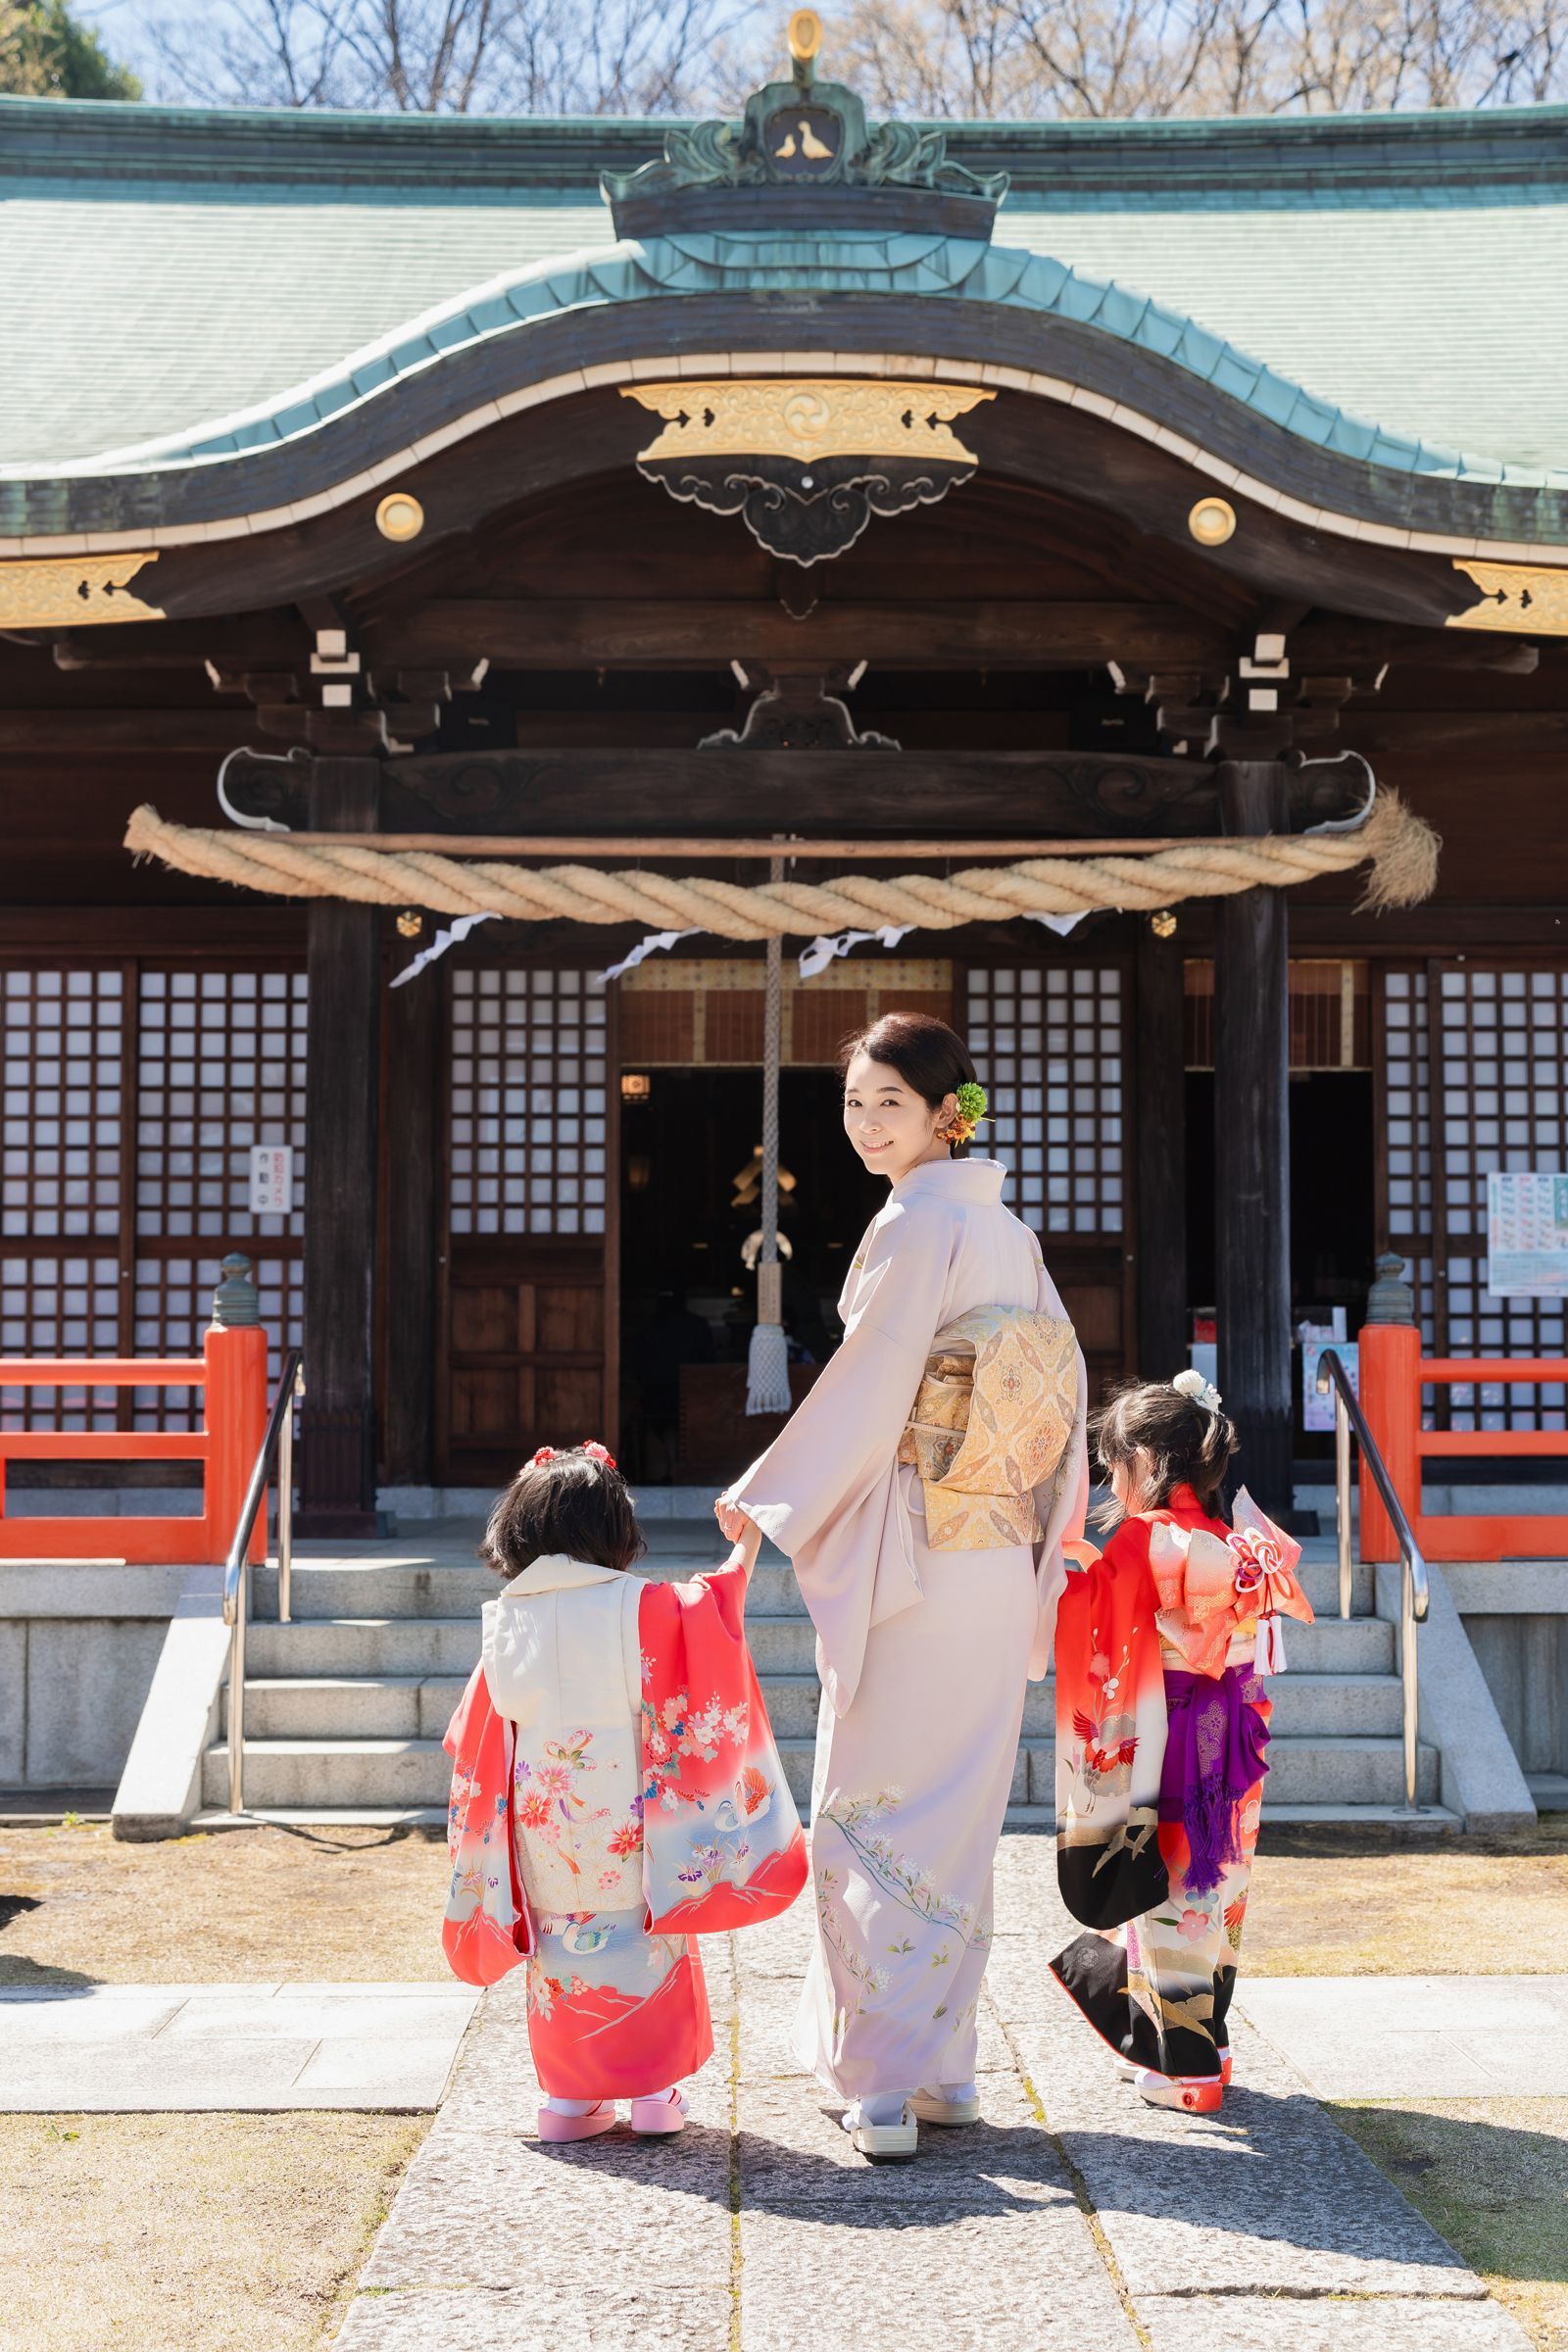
924	1650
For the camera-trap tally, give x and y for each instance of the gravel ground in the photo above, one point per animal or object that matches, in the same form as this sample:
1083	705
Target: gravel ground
335	1905
203	2233
1328	1903
1492	2175
320	1905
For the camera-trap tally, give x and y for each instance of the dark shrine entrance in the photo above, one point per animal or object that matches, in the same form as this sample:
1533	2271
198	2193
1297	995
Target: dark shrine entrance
688	1205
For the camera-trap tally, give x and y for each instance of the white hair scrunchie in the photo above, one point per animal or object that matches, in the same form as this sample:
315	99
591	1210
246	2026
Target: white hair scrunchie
1191	1384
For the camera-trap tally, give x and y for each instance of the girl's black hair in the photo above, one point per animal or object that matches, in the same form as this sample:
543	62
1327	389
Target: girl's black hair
1184	1443
927	1055
570	1505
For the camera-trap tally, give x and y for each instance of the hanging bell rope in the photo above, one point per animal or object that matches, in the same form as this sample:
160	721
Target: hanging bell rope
1399	847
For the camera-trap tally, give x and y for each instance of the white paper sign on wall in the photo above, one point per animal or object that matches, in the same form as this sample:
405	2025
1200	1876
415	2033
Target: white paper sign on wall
271	1180
1527	1234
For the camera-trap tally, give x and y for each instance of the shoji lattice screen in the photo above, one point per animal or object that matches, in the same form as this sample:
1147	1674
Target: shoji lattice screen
60	1226
1501	1047
1405	1209
220	1067
1048	1044
530	1104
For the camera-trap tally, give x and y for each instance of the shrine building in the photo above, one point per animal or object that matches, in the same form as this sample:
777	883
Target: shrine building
642	509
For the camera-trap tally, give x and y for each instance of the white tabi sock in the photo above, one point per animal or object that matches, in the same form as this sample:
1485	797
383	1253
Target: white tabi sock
573	2106
883	2107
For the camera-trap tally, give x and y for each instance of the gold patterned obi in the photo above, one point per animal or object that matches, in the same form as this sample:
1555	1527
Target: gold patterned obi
991	1422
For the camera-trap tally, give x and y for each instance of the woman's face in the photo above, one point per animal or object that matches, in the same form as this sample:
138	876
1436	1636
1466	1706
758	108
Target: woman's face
892	1127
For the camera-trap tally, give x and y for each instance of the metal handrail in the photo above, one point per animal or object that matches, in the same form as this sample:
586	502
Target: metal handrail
278	1445
1414	1593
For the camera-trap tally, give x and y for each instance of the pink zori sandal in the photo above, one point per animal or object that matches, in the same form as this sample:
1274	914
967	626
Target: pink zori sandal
601	2116
665	2112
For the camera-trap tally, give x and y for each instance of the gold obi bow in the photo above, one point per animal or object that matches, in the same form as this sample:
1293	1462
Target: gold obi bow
991	1422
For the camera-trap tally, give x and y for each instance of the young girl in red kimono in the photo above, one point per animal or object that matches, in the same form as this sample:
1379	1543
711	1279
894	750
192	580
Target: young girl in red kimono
1162	1644
615	1791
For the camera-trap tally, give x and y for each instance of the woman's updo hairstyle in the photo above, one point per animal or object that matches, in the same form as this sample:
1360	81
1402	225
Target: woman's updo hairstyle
927	1055
1184	1443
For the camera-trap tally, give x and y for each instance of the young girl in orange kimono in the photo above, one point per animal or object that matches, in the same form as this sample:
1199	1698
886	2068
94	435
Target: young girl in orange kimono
1162	1644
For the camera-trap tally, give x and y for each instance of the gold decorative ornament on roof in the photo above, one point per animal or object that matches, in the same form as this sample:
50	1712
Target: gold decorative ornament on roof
807	460
57	591
400	515
1531	600
1213	521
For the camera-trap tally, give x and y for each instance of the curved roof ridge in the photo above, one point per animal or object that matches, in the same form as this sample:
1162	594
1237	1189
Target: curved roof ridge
942	268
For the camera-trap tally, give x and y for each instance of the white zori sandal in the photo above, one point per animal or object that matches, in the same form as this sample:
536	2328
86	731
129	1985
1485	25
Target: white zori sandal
950	2103
882	2128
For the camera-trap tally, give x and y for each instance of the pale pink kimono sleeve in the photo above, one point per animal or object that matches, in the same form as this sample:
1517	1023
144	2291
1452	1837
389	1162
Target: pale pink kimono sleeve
825	1490
1060	1507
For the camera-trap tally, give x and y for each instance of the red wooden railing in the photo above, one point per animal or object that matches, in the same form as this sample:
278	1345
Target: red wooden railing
230	1371
1393	1371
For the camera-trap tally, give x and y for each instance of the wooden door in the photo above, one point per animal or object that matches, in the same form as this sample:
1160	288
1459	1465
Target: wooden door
529	1290
1049	1040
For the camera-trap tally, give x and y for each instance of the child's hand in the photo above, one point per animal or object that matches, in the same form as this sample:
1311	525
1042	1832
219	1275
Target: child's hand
749	1545
732	1521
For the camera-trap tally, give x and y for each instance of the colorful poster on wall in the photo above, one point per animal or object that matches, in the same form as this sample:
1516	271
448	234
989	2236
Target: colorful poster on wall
1527	1235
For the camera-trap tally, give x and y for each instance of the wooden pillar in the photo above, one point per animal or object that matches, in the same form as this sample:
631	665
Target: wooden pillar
413	1103
1251	1147
342	1083
1162	1158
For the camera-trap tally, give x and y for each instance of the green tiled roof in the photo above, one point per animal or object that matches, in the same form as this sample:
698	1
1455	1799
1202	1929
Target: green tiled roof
163	270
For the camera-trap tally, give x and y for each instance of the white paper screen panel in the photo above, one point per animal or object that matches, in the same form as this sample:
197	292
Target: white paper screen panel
530	1102
1503	1038
63	1045
1049	1045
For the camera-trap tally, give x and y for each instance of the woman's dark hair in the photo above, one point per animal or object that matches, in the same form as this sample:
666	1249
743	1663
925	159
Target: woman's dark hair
1186	1445
927	1055
570	1505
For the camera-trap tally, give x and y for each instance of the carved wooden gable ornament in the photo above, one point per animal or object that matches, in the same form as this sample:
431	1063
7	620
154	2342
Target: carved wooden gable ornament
806	463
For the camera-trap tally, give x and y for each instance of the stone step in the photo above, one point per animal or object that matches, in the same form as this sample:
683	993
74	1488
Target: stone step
780	1645
381	1582
413	1771
361	1645
336	1774
1304	1770
385	1706
404	1706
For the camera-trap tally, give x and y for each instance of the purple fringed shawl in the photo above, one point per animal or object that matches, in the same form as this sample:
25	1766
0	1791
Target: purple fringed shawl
1214	1753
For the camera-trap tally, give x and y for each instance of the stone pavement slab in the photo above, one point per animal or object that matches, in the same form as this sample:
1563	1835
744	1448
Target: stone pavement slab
1073	2219
196	2048
1428	2037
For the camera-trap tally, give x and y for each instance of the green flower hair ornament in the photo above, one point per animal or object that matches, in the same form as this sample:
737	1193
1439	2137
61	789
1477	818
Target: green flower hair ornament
971	1101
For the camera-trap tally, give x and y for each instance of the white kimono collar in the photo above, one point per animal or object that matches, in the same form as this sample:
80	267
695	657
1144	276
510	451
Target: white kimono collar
974	1180
553	1572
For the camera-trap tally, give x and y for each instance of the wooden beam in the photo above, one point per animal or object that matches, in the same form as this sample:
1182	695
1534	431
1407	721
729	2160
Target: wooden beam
1160	1122
342	1088
651	845
629	633
416	1021
1094	794
547	634
1252	1149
